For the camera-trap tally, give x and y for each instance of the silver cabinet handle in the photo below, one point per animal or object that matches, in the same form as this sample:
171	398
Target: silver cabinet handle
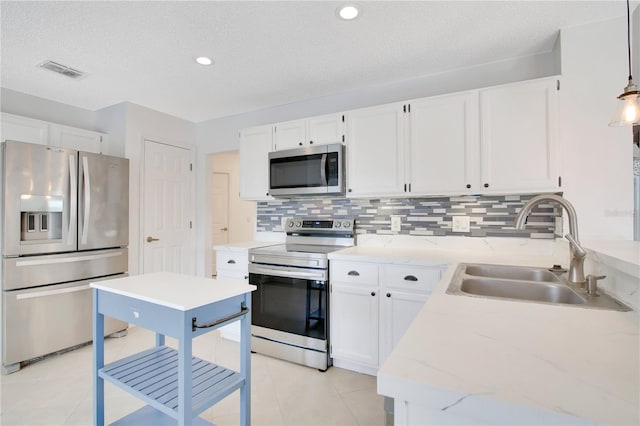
410	278
224	229
151	239
354	273
231	261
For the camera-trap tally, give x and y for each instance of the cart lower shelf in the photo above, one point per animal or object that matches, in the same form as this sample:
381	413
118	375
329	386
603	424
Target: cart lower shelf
152	376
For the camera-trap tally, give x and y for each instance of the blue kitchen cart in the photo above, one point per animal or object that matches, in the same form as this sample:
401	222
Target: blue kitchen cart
175	385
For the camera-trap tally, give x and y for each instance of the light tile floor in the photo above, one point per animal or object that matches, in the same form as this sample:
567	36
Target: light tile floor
58	389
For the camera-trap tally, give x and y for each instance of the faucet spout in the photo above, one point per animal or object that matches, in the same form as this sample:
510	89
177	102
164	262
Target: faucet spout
576	267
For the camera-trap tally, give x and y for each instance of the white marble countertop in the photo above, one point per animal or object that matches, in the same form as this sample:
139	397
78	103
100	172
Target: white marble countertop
564	360
244	245
177	291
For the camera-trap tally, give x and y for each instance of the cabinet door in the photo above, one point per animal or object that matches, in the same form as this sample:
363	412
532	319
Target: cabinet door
22	129
443	138
288	135
78	139
375	151
397	311
232	266
255	145
519	137
325	129
354	323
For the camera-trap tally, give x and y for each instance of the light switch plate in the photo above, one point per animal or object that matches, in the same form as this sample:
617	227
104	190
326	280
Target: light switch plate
396	223
461	224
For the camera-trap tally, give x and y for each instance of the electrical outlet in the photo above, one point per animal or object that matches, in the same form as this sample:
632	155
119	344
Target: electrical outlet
461	224
396	223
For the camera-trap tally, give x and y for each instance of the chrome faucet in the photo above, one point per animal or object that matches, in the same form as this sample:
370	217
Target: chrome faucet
578	253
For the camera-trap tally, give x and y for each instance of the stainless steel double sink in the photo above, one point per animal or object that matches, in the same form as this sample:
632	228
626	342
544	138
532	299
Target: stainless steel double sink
526	284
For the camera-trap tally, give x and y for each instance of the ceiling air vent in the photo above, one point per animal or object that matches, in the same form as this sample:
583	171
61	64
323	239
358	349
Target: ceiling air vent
63	69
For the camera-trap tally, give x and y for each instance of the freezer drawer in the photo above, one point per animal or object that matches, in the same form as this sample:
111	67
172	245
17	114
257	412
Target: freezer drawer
47	319
32	271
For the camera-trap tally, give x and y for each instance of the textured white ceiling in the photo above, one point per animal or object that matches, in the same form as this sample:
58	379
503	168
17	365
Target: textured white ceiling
266	53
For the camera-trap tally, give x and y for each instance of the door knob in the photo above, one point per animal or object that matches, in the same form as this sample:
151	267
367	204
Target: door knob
151	239
224	229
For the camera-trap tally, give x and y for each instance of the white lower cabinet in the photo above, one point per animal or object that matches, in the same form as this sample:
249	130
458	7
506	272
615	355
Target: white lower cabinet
371	308
354	324
232	264
398	309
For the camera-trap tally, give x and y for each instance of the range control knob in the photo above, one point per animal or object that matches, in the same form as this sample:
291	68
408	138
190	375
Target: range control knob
291	224
346	224
337	224
298	224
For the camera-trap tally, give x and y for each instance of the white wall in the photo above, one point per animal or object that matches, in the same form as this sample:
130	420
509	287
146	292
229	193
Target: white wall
136	124
25	105
596	159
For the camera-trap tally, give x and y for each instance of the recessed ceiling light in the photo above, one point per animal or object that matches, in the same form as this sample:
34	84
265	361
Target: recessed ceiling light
348	12
203	60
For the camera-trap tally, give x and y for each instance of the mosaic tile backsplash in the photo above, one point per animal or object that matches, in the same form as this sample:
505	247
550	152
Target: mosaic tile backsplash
490	216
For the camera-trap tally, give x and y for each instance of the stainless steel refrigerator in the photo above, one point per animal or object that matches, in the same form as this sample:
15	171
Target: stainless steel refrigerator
65	223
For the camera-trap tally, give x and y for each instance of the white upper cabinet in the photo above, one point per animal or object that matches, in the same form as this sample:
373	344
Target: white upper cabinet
255	145
498	140
519	137
78	139
22	129
375	151
320	130
442	141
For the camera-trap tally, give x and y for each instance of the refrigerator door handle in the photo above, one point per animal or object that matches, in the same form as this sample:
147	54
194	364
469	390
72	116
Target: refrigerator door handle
45	293
73	198
87	199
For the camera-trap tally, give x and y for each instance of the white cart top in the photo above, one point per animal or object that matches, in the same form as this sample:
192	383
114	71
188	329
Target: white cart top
177	291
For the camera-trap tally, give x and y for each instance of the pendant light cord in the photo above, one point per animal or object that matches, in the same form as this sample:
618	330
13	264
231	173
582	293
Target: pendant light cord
629	40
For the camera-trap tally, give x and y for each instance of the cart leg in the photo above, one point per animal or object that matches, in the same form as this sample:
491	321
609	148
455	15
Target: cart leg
245	364
185	347
98	362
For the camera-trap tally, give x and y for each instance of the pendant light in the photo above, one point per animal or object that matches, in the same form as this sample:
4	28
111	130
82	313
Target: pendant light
628	109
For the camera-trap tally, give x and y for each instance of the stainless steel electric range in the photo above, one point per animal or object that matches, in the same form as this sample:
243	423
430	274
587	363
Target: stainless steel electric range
290	317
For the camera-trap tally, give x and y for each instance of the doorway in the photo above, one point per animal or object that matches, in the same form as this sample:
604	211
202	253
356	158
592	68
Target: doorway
219	212
227	209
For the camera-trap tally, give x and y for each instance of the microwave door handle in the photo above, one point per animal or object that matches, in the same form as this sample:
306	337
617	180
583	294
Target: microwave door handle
87	199
323	169
73	196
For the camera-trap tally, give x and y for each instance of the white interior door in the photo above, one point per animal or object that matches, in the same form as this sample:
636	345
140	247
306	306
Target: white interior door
219	211
167	209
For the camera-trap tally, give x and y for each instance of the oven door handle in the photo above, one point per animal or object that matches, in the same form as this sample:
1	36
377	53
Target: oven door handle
286	273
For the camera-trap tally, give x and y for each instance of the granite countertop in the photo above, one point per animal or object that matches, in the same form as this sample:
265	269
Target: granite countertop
460	350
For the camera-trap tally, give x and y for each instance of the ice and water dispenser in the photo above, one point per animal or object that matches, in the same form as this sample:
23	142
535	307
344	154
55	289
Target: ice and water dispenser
40	217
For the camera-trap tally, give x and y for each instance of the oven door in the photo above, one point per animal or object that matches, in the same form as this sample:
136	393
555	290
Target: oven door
290	300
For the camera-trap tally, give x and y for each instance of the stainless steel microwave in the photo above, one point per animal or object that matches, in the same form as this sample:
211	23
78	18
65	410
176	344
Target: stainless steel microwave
314	170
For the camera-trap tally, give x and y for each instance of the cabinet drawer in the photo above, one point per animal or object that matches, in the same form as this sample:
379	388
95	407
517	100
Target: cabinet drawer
232	274
417	278
353	272
232	261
